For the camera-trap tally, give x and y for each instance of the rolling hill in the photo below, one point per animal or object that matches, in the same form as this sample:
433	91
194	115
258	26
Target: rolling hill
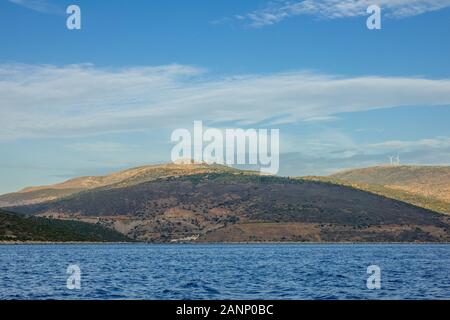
18	228
430	181
231	205
32	195
425	186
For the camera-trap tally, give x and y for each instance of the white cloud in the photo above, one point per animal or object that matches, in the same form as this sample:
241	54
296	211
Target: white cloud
102	147
411	145
79	100
42	6
321	119
335	9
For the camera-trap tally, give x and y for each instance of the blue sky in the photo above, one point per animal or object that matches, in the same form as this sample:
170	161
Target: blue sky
108	96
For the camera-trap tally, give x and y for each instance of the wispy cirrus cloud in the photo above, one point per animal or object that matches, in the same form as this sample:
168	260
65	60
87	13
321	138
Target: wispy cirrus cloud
276	11
42	6
77	100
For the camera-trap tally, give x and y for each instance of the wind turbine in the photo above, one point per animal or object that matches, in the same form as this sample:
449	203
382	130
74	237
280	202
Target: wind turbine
391	158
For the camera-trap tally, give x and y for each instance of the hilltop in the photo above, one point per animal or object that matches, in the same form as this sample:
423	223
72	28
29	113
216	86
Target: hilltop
124	178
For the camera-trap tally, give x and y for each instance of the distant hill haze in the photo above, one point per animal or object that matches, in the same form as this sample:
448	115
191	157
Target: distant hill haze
200	203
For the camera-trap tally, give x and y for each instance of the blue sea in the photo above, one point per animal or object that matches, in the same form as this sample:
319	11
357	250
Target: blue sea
225	271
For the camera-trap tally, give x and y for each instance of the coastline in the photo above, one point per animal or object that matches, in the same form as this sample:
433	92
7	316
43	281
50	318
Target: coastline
58	242
213	243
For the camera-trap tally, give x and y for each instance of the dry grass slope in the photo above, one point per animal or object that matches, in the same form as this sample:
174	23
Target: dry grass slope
428	181
424	186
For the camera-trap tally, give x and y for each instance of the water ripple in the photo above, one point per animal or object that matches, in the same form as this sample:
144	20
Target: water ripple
263	271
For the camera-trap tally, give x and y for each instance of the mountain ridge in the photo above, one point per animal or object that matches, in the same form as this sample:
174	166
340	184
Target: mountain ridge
208	203
229	207
136	175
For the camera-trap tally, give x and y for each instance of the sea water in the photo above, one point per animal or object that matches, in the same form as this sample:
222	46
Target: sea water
225	271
